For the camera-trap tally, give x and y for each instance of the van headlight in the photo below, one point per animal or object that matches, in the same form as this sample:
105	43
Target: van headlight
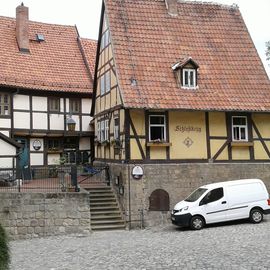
183	209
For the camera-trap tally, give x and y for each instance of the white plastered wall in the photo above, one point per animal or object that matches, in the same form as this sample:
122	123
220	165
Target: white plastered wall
40	121
22	120
39	104
37	159
86	123
86	105
21	102
56	122
7	149
5	123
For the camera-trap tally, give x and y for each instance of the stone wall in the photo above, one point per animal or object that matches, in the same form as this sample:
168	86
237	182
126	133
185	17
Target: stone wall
37	214
179	180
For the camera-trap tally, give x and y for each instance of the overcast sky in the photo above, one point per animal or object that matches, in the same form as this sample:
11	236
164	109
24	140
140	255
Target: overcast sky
86	13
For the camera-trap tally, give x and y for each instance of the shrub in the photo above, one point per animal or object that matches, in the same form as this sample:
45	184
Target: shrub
4	250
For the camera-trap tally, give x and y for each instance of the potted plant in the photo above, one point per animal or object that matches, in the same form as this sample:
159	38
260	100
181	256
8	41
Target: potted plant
116	143
105	143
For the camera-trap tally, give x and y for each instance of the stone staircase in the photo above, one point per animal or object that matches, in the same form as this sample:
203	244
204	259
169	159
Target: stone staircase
104	209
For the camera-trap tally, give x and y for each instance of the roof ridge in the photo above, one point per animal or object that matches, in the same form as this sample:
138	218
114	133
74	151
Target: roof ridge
202	2
37	22
89	39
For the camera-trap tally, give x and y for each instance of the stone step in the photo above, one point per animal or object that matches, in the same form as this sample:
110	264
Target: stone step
97	217
108	212
102	195
103	204
108	227
96	208
99	189
103	199
101	222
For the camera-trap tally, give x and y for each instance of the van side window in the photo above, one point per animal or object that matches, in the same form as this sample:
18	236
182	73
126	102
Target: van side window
214	195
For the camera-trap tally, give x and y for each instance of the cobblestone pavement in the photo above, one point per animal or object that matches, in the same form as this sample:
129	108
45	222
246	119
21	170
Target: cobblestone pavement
231	246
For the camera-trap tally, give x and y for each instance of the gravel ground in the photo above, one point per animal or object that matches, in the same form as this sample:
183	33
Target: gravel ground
237	245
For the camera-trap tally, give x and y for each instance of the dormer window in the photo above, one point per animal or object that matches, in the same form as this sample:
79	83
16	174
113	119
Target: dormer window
186	73
189	77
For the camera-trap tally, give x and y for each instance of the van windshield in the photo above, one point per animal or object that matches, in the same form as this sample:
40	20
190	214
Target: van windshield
194	196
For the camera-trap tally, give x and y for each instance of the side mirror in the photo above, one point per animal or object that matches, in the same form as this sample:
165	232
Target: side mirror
203	201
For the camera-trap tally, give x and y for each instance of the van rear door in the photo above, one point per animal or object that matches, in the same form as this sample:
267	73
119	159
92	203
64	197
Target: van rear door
214	206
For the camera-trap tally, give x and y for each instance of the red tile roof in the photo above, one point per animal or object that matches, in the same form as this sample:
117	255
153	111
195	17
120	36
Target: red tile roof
147	42
55	64
90	50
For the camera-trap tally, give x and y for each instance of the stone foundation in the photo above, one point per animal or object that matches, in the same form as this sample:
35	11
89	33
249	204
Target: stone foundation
37	214
179	180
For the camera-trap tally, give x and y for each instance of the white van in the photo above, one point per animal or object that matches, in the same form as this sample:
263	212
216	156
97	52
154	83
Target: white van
224	201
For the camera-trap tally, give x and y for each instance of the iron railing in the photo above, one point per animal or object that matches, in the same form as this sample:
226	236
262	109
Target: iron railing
39	179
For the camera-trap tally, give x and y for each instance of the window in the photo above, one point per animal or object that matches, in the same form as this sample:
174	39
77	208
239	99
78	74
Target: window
157	127
116	129
55	144
98	131
194	196
189	78
74	105
4	104
213	195
54	104
105	83
105	40
103	130
239	128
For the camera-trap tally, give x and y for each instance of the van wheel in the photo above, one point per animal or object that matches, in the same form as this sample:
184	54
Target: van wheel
196	223
256	216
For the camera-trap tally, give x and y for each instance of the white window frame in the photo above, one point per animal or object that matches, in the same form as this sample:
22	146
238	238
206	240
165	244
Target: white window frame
102	131
102	85
98	131
107	81
107	128
240	127
5	106
158	125
116	133
189	71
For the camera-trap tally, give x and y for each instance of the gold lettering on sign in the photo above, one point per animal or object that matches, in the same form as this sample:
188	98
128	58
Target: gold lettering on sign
183	129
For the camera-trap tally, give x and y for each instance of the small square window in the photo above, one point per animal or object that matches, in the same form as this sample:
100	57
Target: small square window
4	104
239	128
54	104
189	78
75	105
157	128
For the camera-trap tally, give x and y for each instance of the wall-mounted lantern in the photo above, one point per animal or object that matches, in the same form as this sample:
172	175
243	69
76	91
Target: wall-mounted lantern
121	190
71	124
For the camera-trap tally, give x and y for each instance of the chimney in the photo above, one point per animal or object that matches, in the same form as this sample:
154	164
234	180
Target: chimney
22	28
172	7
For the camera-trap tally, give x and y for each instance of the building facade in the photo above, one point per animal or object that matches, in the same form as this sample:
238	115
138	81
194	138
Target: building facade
45	92
181	98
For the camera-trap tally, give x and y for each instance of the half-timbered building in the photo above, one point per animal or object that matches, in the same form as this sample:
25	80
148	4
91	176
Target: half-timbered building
45	88
181	98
